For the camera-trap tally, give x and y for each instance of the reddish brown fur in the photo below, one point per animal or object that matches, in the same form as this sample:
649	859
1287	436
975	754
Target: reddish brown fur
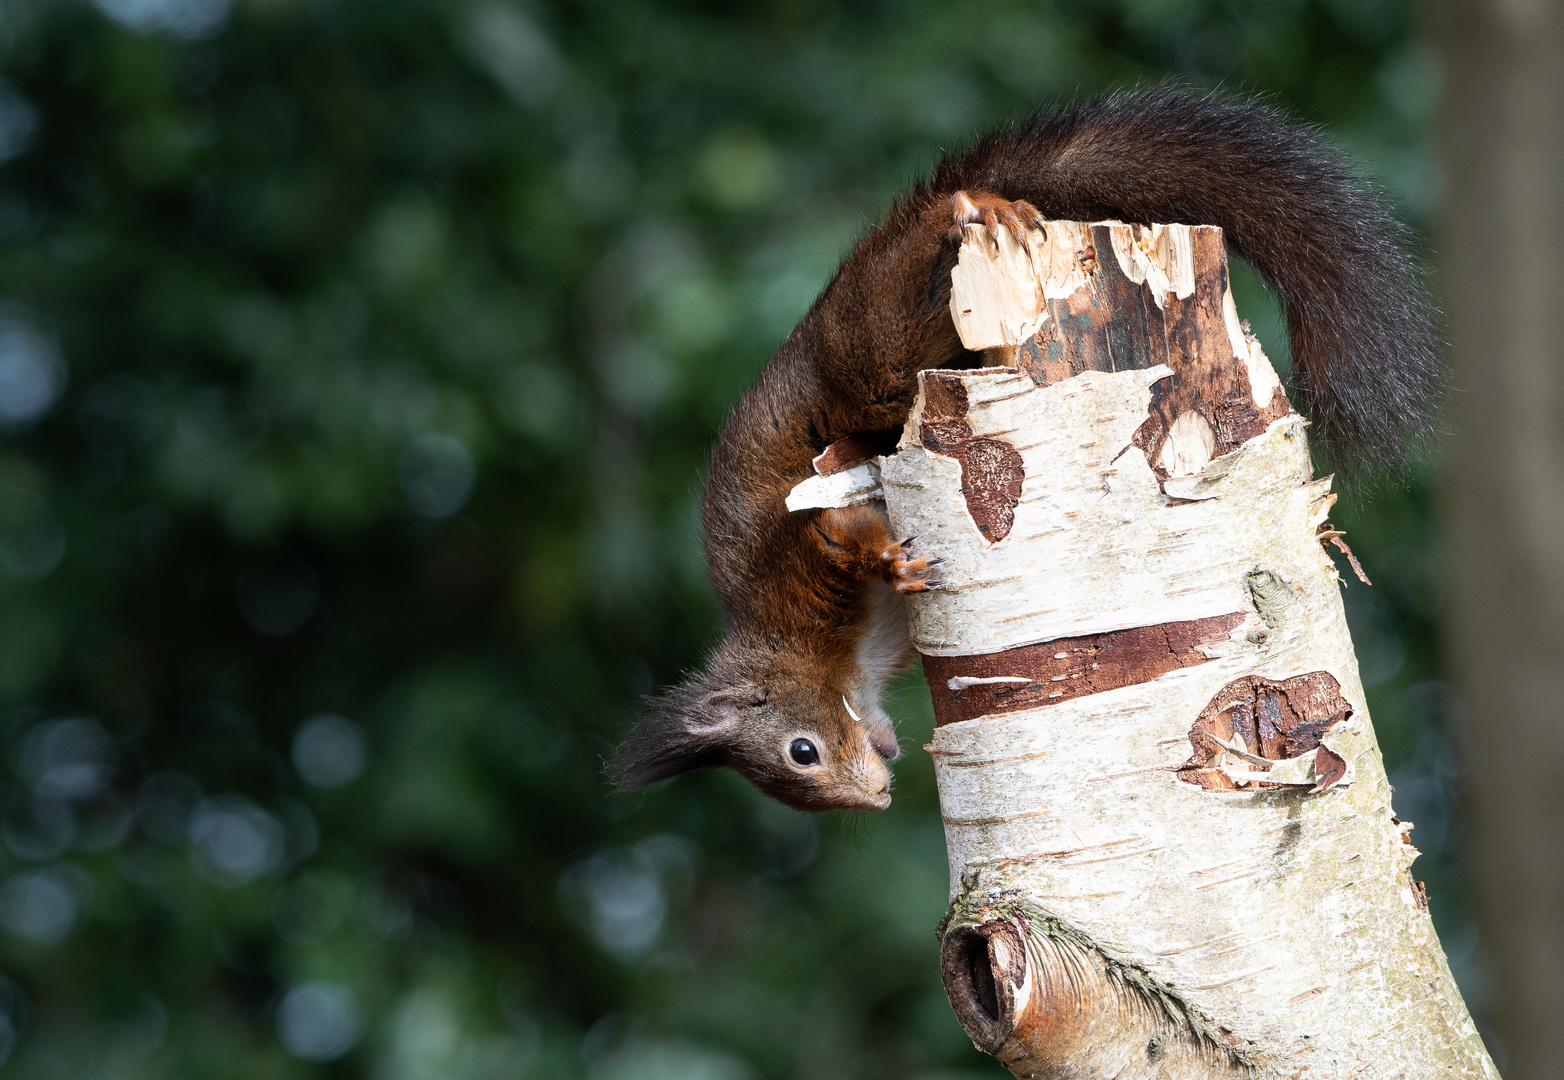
857	542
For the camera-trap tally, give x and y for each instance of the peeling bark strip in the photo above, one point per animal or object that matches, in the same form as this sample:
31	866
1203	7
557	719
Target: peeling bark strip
991	470
1109	921
1254	717
989	684
855	450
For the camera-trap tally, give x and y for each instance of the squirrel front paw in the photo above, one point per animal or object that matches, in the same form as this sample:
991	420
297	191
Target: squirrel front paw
992	211
906	573
859	541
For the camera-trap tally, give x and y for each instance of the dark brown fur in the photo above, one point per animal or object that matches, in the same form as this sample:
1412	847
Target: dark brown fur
793	584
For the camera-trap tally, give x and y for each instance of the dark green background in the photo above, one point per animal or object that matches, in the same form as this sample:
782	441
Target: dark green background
280	246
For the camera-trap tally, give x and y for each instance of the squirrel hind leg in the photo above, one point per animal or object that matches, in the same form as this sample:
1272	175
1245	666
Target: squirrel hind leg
858	541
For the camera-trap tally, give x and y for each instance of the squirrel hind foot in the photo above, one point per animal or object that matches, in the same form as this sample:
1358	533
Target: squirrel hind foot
992	211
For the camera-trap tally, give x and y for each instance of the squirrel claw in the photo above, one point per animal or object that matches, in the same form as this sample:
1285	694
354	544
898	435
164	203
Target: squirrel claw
904	572
991	211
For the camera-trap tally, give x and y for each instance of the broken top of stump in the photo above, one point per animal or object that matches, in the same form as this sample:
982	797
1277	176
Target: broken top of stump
1070	297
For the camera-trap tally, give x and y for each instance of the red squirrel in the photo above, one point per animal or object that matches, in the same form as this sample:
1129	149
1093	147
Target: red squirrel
791	698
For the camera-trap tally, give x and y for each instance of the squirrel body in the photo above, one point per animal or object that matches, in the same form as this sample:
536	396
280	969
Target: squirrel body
791	697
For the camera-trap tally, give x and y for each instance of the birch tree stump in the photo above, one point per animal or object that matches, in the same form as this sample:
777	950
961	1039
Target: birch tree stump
1172	850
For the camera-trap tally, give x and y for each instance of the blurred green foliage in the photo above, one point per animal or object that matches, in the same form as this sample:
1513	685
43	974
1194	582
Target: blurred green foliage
358	364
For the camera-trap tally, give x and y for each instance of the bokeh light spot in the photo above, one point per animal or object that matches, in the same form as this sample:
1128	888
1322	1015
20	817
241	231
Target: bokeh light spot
38	828
18	123
626	892
32	369
234	841
71	759
39	905
318	1021
436	472
188	19
329	750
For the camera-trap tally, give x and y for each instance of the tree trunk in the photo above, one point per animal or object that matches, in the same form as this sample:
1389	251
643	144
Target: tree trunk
1502	263
1171	846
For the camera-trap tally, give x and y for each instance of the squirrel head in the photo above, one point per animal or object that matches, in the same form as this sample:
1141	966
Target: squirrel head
770	715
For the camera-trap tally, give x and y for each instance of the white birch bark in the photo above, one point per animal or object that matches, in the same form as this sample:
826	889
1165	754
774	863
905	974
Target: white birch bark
1134	924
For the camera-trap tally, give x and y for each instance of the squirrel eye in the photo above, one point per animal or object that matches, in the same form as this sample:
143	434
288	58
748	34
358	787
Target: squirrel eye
803	752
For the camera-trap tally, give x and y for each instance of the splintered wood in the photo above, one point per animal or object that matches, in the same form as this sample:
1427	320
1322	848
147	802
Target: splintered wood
1171	845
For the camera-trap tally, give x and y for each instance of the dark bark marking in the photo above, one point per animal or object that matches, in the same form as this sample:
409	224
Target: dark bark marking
1213	383
1272	727
855	450
1419	892
1275	721
1091	664
991	469
1329	767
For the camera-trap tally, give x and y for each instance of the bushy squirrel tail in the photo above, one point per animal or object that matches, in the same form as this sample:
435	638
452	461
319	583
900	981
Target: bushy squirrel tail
1364	347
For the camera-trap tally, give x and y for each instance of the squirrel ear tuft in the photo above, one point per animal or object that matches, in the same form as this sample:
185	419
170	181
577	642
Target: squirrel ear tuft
690	727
